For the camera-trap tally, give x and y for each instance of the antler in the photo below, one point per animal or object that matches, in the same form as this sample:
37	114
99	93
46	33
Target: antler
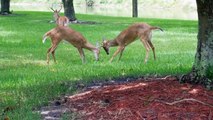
55	10
60	8
52	8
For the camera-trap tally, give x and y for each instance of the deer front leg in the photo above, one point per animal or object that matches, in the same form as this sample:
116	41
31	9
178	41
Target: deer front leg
81	52
116	53
121	53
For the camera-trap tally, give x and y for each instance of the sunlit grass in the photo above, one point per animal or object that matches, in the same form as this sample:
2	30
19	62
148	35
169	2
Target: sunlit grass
27	82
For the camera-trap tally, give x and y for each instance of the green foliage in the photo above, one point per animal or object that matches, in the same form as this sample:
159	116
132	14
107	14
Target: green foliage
210	72
27	82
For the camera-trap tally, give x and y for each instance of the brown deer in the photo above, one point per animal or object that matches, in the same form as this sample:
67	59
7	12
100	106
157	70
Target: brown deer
59	20
143	31
73	37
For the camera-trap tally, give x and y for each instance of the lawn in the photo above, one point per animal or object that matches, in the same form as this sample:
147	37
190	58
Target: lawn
27	82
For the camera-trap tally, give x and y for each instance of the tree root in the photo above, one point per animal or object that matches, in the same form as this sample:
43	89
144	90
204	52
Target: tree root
186	99
194	78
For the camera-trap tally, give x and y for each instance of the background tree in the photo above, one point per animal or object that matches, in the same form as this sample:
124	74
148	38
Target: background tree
202	70
5	7
134	8
69	9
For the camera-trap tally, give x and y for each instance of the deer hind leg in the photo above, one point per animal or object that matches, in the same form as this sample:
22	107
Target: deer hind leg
48	55
147	47
151	45
116	53
51	50
82	55
153	48
53	54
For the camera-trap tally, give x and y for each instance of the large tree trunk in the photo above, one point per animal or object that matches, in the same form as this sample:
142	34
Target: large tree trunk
5	7
69	9
202	71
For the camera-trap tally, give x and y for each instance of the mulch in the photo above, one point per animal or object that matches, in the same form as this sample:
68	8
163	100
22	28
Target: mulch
152	99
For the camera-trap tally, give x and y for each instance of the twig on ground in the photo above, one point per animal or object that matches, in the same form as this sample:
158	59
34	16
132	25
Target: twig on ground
209	96
166	77
186	99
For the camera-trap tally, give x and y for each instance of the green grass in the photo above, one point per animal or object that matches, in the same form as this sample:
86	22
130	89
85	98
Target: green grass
27	82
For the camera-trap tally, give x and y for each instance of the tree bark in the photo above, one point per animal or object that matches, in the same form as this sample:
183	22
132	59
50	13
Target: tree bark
134	8
202	70
69	9
5	7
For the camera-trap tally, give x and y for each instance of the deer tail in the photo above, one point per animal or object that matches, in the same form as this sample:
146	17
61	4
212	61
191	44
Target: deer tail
45	36
154	28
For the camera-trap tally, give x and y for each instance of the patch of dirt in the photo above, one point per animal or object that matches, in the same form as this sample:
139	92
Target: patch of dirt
142	99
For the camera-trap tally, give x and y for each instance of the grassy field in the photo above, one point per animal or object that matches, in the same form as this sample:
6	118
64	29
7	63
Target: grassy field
27	82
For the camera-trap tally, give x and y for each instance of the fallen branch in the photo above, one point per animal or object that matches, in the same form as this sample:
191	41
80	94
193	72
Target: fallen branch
183	100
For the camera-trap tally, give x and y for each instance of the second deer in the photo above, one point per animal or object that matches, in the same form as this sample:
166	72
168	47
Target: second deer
60	20
73	37
143	31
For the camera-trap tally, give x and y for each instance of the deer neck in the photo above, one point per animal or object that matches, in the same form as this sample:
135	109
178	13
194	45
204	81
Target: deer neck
113	43
90	47
56	16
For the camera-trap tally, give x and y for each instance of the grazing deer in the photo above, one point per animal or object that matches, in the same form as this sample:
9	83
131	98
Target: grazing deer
60	20
73	37
143	31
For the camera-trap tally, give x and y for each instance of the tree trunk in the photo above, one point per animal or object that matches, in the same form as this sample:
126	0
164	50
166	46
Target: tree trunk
69	9
202	71
134	8
5	7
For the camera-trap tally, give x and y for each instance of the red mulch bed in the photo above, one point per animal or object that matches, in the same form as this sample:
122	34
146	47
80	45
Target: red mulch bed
155	99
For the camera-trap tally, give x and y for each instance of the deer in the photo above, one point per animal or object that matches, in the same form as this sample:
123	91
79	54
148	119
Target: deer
60	20
143	31
73	37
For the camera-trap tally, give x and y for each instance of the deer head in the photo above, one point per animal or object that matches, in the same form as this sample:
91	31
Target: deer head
105	45
56	12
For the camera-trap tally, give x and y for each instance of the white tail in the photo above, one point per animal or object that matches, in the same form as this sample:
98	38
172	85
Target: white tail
127	36
73	37
44	38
